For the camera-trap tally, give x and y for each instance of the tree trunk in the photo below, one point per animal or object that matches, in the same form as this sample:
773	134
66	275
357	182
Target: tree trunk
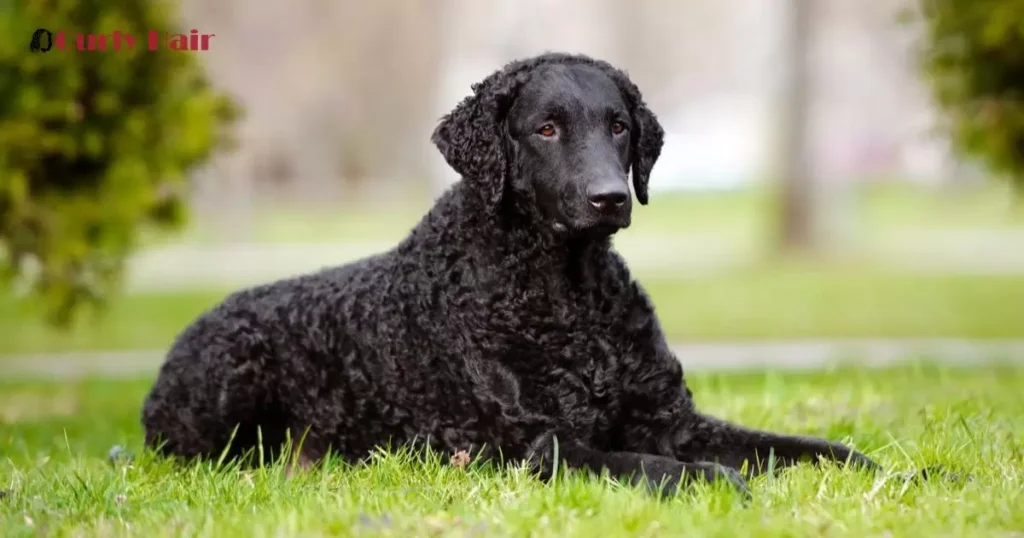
797	223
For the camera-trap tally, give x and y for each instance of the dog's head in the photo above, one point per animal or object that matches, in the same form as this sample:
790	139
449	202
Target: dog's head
560	131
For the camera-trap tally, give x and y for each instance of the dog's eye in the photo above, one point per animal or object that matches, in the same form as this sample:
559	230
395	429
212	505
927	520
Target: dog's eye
618	127
547	130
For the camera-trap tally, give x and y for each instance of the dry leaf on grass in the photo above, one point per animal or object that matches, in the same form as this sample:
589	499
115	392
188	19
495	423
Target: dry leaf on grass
460	459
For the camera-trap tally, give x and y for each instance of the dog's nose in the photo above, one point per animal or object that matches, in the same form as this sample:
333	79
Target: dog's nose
608	199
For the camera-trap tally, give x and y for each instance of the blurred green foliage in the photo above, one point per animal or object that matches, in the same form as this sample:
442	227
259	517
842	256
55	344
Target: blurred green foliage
974	62
94	146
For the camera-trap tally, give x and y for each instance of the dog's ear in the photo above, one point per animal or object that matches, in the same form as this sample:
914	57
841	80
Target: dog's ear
647	136
473	138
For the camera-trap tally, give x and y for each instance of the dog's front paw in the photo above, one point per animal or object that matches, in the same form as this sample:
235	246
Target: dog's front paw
683	474
937	472
713	472
862	462
845	455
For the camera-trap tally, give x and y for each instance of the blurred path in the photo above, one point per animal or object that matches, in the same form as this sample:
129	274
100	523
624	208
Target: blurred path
720	356
184	266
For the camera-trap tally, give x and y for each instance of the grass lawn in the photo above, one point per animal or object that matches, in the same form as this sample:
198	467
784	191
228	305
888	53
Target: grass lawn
757	303
877	209
57	481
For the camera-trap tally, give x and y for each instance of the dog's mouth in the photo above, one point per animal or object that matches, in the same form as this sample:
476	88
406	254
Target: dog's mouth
600	231
605	228
594	229
571	219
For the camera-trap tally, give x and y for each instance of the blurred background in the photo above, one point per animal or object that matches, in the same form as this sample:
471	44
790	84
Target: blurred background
807	204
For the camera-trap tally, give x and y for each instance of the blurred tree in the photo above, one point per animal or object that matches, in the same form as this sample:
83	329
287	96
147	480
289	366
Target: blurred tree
974	62
94	146
797	221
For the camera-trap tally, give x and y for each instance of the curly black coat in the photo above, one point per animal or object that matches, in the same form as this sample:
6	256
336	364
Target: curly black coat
485	330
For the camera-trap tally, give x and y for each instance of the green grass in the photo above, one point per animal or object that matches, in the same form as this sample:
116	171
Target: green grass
878	209
757	303
54	439
795	302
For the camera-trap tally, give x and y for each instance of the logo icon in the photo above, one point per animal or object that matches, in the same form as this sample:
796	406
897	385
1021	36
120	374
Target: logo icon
37	36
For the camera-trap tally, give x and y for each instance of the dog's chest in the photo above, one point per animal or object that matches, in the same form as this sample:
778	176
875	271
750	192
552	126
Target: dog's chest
563	342
577	386
566	355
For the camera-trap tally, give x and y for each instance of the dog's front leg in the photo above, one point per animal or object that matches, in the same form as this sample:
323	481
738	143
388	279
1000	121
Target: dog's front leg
707	438
658	473
660	416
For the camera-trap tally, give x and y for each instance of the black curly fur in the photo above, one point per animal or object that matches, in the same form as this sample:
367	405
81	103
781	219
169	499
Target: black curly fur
481	332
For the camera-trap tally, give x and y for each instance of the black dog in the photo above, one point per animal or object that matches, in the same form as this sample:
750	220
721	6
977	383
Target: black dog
503	325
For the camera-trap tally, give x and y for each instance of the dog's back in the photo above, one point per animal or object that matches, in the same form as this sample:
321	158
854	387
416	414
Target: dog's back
351	347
